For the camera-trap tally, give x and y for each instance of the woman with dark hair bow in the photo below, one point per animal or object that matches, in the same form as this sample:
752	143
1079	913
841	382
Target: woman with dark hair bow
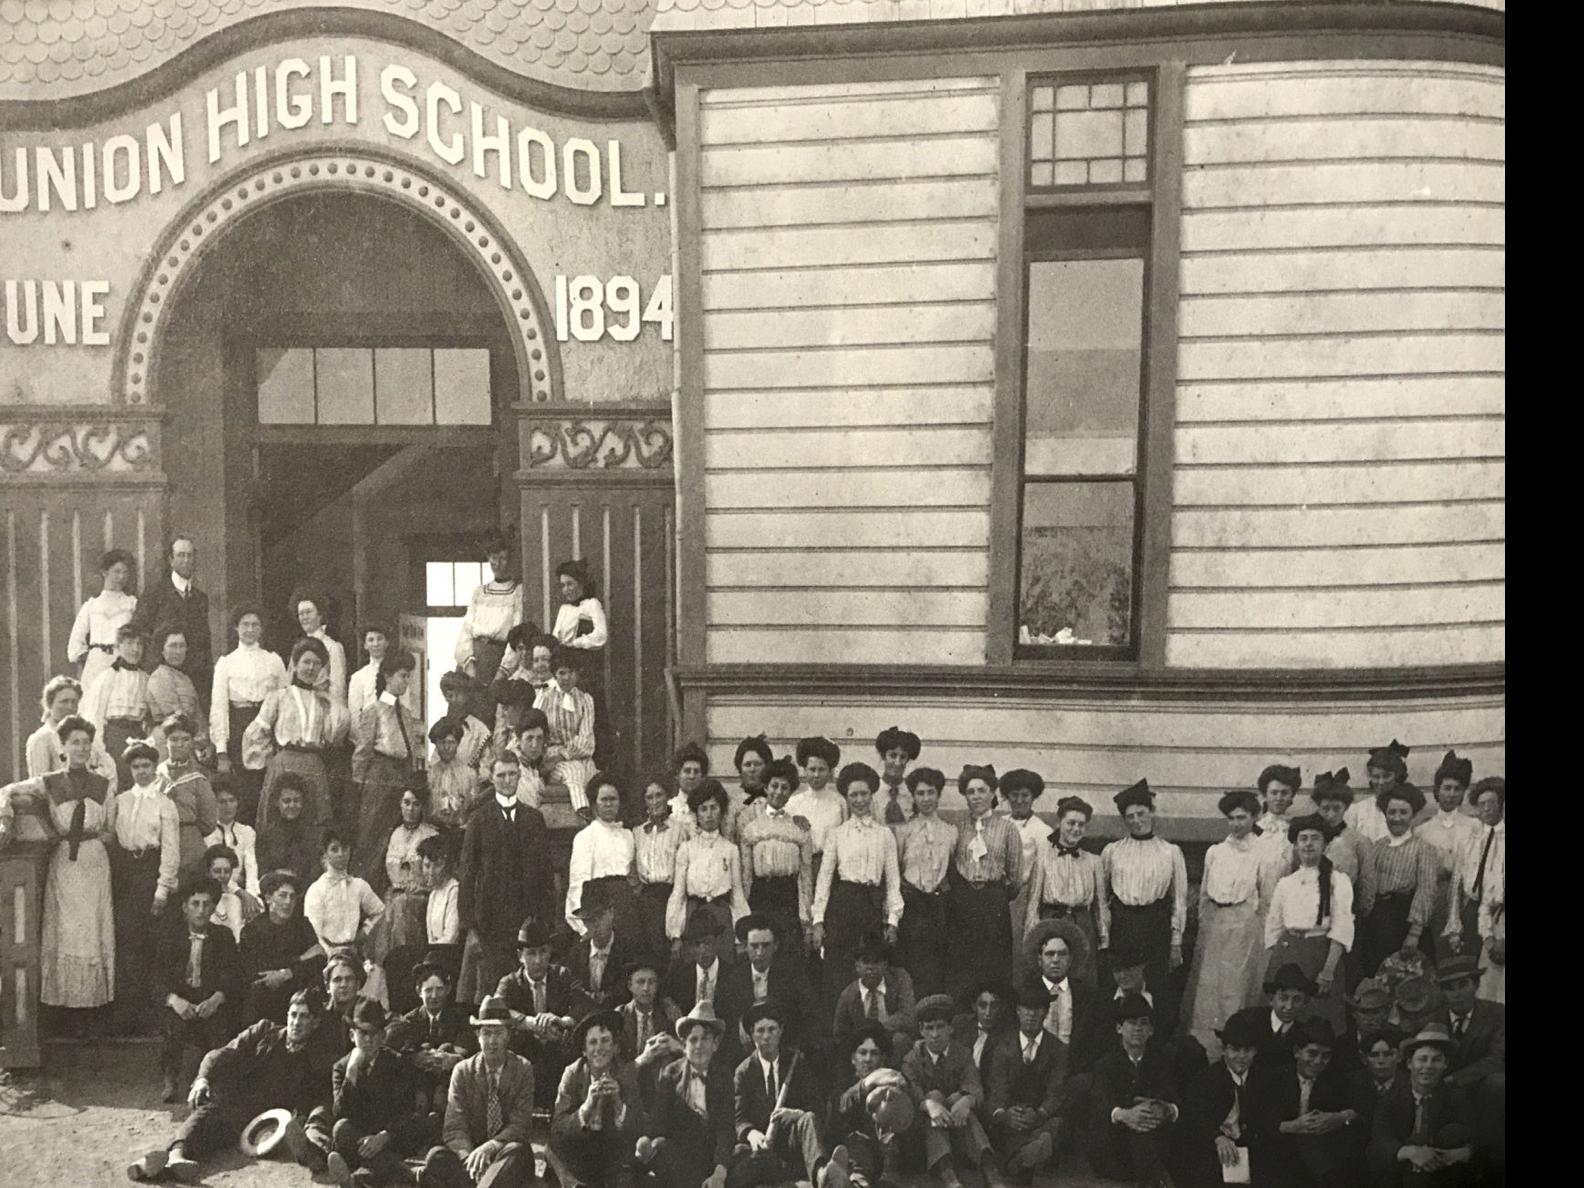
1388	769
984	877
1146	885
1066	881
1310	922
1240	877
1448	830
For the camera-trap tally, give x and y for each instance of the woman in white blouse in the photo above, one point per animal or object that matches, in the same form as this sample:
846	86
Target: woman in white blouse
398	880
294	729
494	608
580	623
243	678
93	634
44	750
309	608
1240	876
1310	922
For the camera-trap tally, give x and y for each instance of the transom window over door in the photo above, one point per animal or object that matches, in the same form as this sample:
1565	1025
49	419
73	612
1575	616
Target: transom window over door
409	386
1086	249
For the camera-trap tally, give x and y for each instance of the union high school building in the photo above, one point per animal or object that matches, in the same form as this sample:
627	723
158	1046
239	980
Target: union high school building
1112	389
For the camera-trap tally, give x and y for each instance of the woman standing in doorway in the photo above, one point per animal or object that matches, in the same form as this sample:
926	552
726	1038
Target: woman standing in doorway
92	642
77	943
387	762
243	678
311	611
294	728
580	623
494	608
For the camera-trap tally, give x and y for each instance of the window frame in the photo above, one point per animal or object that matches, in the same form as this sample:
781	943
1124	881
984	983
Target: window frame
431	347
1161	194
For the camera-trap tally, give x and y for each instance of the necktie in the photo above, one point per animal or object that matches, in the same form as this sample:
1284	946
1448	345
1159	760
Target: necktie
492	1107
893	813
195	943
872	1004
596	970
770	1083
1479	875
706	987
539	998
1419	1118
1460	1026
1029	1045
401	725
643	1029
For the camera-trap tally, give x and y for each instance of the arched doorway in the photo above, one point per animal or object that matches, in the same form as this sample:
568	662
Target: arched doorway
338	380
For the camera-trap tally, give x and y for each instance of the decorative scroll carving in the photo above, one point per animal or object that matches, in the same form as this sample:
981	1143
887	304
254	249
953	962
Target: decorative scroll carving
57	448
608	443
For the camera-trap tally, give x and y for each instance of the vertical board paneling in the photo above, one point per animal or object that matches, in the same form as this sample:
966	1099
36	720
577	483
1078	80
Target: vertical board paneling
901	259
1288	167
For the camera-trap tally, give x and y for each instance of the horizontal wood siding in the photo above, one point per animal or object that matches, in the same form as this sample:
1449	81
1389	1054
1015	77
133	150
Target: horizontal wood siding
848	281
1191	752
1340	454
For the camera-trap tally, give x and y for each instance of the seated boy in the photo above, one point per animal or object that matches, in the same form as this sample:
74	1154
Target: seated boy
435	1036
945	1073
1132	1101
882	992
197	980
375	1108
1027	1069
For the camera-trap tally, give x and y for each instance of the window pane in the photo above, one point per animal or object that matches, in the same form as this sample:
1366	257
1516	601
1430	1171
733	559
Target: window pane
1085	354
469	577
403	393
346	385
437	584
462	387
1076	585
285	387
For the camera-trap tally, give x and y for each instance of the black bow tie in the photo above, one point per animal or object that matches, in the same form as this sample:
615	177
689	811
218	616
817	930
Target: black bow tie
1066	852
121	665
298	683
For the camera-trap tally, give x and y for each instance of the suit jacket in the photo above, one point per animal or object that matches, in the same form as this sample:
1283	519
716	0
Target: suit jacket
707	1140
1394	1120
750	1095
665	1017
1483	1048
900	1005
613	986
1115	1082
954	1075
965	1031
1205	1107
590	1154
1298	1159
220	965
161	606
257	1071
788	988
505	875
468	1100
387	1095
1274	1050
560	997
1036	1084
414	1031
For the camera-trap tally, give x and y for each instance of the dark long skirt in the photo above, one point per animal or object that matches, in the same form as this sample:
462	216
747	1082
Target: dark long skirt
777	899
1149	928
649	906
379	812
921	939
246	784
1382	932
978	933
133	879
487	656
853	911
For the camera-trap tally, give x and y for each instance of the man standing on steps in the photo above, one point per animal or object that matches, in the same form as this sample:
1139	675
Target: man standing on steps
176	601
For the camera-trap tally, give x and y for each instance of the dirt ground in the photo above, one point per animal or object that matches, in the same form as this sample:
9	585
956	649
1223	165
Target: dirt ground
93	1108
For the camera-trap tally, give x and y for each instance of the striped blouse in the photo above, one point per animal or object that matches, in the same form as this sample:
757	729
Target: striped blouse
656	850
925	846
1408	866
571	716
1140	872
989	850
293	717
774	846
861	850
1071	878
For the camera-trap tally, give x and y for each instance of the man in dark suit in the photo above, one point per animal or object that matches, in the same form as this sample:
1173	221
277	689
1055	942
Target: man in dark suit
1423	1133
1133	1101
1215	1118
435	1036
883	992
697	975
486	1139
775	1112
690	1134
598	961
991	1018
1056	947
646	1014
197	978
952	1096
542	1004
379	1107
506	874
1027	1069
176	601
765	977
1478	1062
1301	1115
1290	990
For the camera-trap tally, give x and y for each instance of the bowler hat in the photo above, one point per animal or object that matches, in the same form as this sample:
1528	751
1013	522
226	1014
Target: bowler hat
1464	965
1312	1031
1032	995
699	927
1127	955
532	935
607	1019
1131	1006
1290	977
1244	1029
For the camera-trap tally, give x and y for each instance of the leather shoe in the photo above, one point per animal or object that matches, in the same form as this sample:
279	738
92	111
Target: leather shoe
838	1170
336	1167
147	1166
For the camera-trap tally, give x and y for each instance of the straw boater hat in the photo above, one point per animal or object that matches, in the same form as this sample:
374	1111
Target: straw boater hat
261	1136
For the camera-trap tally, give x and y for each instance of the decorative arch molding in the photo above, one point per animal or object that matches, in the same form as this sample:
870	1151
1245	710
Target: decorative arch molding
352	170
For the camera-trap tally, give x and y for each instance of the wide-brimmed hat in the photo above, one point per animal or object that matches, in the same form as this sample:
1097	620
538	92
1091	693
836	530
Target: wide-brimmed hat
703	1012
1464	965
607	1019
1077	941
493	1011
1372	995
1033	995
261	1136
1431	1035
